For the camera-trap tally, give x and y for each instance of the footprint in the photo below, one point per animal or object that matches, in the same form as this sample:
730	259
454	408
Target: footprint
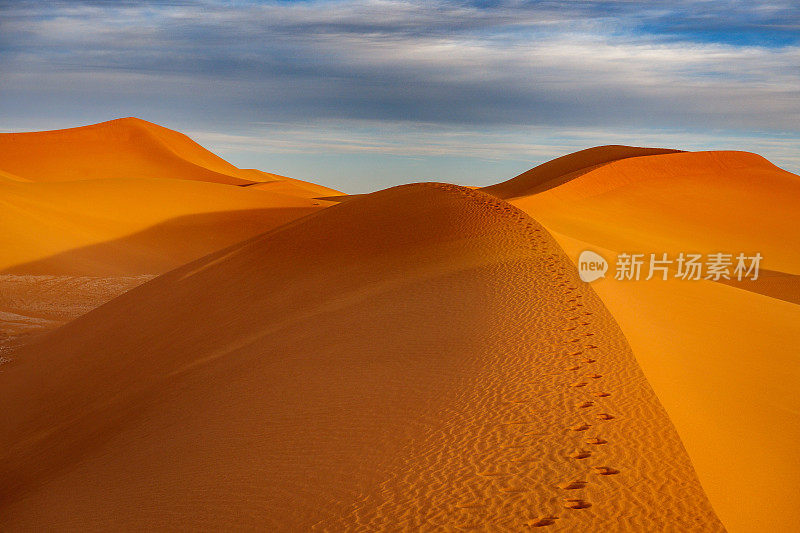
602	394
595	440
594	376
605	470
513	490
604	416
542	521
580	454
571	485
470	505
574	367
588	360
576	503
579	384
579	427
584	405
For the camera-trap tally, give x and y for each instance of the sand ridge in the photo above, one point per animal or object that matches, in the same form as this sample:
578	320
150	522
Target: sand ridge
423	357
720	364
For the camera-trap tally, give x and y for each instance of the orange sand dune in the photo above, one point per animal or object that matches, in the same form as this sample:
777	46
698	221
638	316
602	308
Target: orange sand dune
562	169
294	187
721	359
123	148
421	358
121	199
134	226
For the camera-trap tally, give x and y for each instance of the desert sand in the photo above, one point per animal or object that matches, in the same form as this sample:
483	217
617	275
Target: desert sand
96	210
349	372
419	358
721	359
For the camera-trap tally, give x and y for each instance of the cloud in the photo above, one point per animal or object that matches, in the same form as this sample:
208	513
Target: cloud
714	69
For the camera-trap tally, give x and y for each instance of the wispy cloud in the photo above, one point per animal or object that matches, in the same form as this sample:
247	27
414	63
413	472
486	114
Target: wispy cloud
711	70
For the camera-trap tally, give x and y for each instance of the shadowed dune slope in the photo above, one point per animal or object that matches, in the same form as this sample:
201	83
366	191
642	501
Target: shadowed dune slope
553	173
721	359
135	226
422	357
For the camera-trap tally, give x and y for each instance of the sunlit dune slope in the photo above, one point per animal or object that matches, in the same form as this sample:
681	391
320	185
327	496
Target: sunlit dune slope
420	358
565	168
294	187
721	359
130	226
692	201
122	148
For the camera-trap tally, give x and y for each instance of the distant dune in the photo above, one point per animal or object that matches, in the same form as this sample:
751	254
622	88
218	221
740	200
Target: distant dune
122	148
565	168
124	199
279	356
137	193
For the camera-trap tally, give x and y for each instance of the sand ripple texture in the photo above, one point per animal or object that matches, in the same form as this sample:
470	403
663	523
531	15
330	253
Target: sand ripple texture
423	358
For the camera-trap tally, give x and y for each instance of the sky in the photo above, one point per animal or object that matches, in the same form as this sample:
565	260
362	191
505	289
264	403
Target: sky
365	94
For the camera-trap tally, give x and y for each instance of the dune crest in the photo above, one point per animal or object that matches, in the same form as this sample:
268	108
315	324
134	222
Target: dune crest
562	169
403	360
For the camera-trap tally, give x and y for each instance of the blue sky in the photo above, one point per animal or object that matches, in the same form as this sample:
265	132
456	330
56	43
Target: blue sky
360	95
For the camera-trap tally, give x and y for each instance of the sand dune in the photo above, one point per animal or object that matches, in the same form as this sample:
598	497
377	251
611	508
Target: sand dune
131	226
115	232
420	358
562	169
294	187
423	357
122	148
93	210
138	190
719	358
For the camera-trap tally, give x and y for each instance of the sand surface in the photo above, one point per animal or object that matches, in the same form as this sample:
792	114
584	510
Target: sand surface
421	358
87	213
190	345
721	359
